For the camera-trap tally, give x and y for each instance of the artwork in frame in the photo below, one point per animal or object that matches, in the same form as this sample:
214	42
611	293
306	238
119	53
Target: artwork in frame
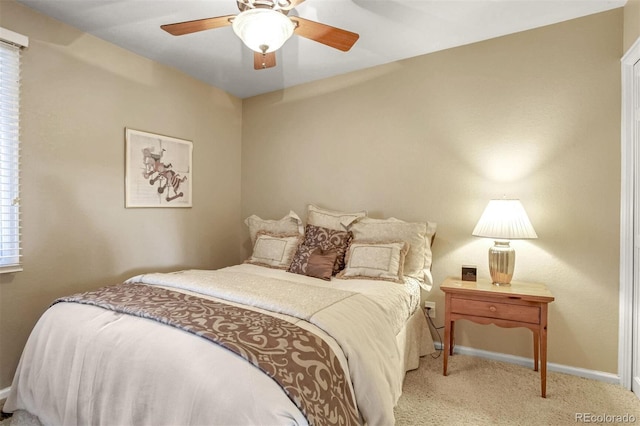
158	170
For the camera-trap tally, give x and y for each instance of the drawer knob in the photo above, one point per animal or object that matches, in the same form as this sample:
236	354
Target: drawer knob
492	308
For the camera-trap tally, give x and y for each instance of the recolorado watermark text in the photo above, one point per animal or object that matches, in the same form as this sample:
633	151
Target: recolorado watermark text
604	418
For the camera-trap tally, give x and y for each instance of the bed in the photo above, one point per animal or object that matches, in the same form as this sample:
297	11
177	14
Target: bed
243	345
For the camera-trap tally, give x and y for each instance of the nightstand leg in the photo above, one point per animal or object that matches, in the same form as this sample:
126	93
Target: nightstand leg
543	363
543	350
448	334
451	340
536	350
447	346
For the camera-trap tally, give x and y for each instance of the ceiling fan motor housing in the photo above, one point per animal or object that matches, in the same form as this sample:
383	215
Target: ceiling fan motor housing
284	5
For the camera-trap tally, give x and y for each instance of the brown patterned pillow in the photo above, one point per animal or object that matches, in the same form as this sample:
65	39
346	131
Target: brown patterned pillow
320	263
325	239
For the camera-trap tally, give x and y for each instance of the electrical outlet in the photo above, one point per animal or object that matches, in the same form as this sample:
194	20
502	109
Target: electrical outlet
431	308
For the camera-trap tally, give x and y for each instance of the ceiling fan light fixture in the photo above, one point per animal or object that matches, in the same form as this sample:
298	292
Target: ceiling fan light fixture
263	30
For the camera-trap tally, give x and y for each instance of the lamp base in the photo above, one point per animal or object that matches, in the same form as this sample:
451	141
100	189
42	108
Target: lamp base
502	259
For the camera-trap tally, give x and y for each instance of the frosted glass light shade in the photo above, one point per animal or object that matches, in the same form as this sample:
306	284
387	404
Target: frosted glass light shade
504	220
263	30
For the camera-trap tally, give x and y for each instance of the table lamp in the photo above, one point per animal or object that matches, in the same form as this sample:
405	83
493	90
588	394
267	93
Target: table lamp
503	220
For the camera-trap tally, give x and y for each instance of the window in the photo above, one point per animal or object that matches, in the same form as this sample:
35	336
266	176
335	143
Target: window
10	248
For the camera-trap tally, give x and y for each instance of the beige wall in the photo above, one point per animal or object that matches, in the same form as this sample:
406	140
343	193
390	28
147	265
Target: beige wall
631	23
534	115
79	95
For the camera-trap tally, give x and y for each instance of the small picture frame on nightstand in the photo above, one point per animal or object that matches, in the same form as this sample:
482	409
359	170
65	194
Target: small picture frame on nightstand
469	273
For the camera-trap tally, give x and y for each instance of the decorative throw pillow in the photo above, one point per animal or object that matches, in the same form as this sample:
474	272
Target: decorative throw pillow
381	261
320	263
290	224
325	239
274	251
417	235
332	219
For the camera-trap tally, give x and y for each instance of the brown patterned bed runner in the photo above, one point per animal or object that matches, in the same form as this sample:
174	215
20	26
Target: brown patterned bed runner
299	361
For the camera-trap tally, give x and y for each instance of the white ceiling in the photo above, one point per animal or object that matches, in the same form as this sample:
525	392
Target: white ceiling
389	30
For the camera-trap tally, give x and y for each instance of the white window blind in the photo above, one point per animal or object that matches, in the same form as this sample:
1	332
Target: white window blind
10	242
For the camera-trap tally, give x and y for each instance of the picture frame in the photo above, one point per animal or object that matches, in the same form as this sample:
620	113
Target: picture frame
158	170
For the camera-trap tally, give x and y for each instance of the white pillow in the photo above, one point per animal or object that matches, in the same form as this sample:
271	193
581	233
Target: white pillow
382	261
418	236
290	224
332	219
274	251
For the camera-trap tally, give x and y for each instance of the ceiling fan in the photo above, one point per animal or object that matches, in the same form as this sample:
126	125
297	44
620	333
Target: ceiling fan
263	26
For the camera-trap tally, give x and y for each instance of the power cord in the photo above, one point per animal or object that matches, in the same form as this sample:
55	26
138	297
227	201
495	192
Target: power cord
436	329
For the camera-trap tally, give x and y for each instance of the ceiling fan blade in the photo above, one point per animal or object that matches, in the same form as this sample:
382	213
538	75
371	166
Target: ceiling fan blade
325	34
263	61
194	26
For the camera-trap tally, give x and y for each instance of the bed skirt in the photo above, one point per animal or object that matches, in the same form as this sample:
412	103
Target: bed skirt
415	341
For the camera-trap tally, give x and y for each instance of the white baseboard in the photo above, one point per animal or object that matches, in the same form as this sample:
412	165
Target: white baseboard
4	393
528	362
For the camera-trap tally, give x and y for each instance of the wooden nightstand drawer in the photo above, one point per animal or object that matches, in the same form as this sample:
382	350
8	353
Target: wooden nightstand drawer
507	311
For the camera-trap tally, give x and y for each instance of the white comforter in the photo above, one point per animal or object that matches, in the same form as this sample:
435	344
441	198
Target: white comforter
86	365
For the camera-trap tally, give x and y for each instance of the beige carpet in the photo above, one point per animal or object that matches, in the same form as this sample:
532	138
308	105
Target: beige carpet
482	392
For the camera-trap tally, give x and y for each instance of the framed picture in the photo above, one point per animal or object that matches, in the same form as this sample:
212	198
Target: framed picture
158	170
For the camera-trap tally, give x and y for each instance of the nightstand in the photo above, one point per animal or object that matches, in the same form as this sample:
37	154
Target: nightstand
516	305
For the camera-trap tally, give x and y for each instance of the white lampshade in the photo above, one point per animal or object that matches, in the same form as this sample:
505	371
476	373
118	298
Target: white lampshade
263	30
504	220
